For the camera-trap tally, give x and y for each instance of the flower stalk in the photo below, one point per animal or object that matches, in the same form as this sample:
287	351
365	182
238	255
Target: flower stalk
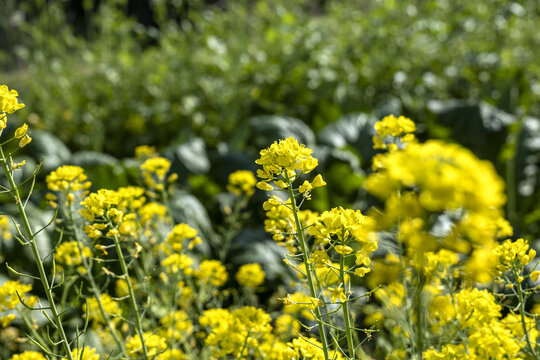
301	239
56	317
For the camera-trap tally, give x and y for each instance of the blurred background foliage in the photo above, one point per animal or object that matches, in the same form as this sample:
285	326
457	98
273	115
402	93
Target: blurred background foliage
209	83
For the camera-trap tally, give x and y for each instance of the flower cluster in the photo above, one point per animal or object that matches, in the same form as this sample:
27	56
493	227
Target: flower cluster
512	252
68	254
250	275
242	183
68	180
212	272
400	127
112	308
284	161
112	210
8	101
154	171
235	332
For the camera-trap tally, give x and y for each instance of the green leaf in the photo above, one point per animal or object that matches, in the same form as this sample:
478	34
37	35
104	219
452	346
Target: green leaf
269	128
189	157
186	208
480	127
45	145
103	170
353	130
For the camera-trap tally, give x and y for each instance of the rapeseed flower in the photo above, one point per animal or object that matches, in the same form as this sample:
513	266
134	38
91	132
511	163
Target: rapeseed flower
29	355
8	100
213	272
242	182
250	275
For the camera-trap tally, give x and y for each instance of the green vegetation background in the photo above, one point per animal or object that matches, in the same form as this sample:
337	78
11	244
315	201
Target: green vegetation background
209	84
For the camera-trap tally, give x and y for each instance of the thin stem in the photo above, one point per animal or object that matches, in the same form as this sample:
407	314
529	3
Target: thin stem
132	300
30	326
345	308
419	312
522	314
95	288
306	257
31	240
224	248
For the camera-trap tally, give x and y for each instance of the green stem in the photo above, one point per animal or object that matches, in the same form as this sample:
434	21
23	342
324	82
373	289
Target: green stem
30	326
345	308
306	257
224	248
39	262
132	299
511	188
419	313
522	315
95	288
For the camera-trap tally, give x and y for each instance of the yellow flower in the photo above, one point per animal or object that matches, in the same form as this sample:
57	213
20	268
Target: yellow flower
283	160
67	179
8	100
242	182
390	125
212	271
178	235
513	252
250	275
21	131
111	307
25	141
8	294
28	355
7	319
155	344
85	354
154	171
145	151
182	325
68	254
343	249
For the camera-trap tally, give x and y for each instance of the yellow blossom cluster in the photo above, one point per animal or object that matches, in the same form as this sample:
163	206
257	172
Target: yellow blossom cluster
9	299
242	183
8	105
510	253
400	127
250	275
176	325
112	210
283	161
446	177
145	151
67	180
280	221
344	229
8	100
235	332
111	307
155	345
9	291
154	170
68	254
309	348
5	229
29	355
176	263
86	353
179	234
212	272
